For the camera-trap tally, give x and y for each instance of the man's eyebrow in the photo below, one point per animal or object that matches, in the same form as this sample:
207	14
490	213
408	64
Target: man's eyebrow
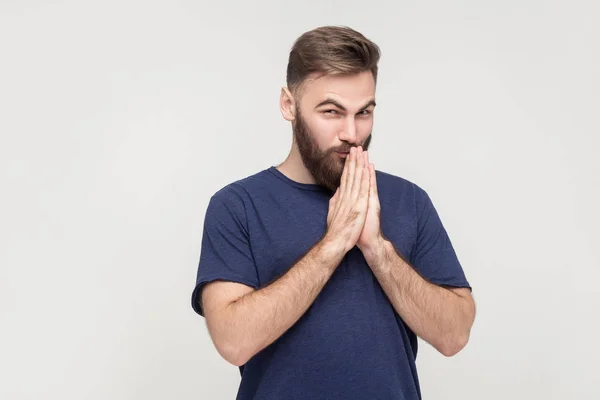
341	107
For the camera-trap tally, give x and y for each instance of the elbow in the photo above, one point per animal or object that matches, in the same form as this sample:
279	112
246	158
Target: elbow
233	358
230	347
233	353
452	347
452	344
237	361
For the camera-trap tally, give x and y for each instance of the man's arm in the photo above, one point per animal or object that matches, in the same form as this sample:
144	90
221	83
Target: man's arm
442	317
243	327
243	321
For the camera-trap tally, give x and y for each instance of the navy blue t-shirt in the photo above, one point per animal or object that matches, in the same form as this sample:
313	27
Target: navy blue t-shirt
350	343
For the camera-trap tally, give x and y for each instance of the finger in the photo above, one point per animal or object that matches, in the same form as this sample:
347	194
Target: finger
358	173
364	163
373	181
332	203
360	156
364	188
350	174
334	197
344	177
373	194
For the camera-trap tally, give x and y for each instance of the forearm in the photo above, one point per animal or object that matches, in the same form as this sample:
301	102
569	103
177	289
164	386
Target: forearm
436	314
257	319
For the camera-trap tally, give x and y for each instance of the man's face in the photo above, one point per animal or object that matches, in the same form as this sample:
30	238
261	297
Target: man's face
334	115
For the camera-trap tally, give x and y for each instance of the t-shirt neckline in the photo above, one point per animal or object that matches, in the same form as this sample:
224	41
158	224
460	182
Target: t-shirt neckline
284	178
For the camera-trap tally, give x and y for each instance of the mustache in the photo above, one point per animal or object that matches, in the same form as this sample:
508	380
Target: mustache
344	149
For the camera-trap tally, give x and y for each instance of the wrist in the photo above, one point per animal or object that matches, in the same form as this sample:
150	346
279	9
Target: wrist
332	247
375	254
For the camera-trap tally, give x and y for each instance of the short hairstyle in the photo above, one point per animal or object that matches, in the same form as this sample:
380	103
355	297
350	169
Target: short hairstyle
332	50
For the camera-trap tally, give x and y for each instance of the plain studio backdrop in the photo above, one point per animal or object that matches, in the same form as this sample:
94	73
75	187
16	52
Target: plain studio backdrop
119	120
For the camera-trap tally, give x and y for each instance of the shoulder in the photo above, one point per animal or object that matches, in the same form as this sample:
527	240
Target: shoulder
236	197
396	191
386	178
395	185
242	188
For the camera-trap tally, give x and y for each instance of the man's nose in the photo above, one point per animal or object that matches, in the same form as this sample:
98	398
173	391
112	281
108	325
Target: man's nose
348	134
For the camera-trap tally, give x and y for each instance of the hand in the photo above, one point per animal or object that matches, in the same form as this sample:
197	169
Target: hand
348	206
371	237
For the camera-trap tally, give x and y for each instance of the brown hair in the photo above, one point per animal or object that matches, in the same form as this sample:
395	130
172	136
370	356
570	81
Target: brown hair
333	50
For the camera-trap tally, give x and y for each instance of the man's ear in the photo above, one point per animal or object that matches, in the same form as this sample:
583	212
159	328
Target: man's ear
287	104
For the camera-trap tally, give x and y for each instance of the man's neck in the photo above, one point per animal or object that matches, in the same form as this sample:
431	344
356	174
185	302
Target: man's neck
294	169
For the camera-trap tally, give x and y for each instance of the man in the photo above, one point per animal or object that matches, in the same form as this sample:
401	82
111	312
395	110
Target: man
317	276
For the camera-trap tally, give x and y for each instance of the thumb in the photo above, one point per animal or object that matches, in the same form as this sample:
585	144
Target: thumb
335	196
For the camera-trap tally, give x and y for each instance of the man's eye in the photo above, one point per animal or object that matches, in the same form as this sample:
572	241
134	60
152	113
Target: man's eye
330	112
365	112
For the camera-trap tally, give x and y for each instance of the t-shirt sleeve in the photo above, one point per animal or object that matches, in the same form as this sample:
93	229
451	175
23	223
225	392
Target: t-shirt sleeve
433	255
225	252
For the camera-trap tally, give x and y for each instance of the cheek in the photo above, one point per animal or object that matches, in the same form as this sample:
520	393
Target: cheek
364	127
325	131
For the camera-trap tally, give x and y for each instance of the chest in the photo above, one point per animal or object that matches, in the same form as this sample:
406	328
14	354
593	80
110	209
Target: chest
285	230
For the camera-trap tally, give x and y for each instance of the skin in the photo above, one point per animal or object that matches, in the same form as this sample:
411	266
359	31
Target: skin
321	128
242	321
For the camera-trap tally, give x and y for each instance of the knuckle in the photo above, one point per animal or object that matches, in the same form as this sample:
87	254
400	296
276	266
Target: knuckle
353	215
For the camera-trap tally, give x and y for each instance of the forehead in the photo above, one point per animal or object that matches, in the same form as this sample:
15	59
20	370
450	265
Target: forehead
351	91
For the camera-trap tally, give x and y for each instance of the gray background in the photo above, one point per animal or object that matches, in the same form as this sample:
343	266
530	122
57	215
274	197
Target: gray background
119	119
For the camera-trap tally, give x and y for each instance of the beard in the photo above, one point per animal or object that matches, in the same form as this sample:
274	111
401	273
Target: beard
325	166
